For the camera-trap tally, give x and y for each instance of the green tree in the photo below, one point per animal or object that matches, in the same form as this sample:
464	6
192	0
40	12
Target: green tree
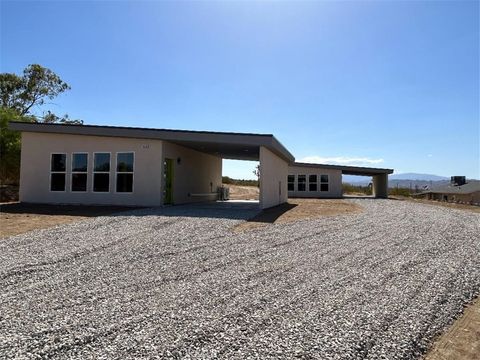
20	96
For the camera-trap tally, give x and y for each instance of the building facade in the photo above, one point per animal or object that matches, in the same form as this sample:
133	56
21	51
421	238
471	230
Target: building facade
105	165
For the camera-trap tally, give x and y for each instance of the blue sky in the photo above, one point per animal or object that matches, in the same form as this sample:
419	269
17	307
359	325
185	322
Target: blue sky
378	83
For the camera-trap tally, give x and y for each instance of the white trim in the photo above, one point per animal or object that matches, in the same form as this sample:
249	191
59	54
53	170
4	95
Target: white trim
124	172
57	172
109	172
78	172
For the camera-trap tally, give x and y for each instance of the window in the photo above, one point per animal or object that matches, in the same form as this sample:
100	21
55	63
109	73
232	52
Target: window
58	170
312	182
101	172
323	182
302	182
125	172
79	171
291	182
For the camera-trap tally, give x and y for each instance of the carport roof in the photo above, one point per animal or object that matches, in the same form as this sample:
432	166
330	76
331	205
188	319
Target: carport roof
229	145
348	170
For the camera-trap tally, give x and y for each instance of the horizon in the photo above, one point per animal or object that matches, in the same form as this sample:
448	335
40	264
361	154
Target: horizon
390	85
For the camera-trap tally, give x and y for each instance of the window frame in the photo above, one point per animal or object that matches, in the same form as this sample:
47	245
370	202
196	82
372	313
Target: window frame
291	182
102	172
72	172
312	183
125	172
325	183
303	183
57	172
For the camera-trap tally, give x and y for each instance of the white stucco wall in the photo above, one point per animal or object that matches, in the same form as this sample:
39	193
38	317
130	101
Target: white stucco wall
334	182
273	179
35	169
195	175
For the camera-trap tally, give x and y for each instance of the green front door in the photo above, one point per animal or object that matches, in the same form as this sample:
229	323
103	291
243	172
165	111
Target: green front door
168	181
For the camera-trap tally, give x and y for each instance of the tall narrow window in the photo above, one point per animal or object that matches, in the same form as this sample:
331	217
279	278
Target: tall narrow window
302	182
58	171
323	182
291	182
312	182
101	172
125	172
79	171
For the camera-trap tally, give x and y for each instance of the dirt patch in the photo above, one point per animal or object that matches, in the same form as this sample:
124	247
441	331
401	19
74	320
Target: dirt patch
462	340
299	209
240	192
19	218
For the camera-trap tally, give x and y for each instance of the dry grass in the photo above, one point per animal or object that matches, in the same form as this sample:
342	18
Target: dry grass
18	218
465	207
299	209
239	192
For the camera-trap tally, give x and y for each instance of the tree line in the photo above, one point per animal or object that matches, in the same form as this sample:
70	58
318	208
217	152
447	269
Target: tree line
24	98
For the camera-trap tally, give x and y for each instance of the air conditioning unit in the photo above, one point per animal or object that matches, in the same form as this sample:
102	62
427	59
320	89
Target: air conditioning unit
223	193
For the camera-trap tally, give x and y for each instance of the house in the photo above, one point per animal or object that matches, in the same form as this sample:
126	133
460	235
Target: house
460	190
90	164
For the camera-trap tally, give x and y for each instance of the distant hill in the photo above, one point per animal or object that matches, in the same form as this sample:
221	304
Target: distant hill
408	180
415	176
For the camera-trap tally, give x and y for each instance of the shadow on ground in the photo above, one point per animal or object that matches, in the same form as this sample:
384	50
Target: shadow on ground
67	210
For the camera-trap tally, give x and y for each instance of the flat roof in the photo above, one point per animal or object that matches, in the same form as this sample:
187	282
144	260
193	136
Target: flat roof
348	170
228	145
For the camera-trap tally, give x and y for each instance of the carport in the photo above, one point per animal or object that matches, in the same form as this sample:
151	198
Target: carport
335	172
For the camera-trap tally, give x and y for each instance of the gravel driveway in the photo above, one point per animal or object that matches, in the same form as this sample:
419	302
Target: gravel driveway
179	283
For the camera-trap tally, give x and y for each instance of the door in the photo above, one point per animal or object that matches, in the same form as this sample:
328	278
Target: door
168	181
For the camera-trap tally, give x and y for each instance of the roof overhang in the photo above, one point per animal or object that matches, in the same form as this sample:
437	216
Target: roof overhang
228	145
348	170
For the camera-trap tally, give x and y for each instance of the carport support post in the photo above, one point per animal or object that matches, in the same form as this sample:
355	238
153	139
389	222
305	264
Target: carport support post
273	179
380	186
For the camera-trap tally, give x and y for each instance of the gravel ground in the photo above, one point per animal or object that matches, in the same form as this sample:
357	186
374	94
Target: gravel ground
179	283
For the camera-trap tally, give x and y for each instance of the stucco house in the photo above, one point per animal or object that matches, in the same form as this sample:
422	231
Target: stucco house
89	164
463	191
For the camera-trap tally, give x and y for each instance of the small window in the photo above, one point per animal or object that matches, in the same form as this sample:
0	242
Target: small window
323	182
312	183
101	172
58	168
125	166
302	182
291	182
79	172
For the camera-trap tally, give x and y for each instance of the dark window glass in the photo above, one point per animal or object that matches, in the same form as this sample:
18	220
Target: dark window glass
312	178
79	162
102	162
323	187
312	187
291	182
124	182
324	178
302	180
79	182
59	162
101	182
57	182
125	162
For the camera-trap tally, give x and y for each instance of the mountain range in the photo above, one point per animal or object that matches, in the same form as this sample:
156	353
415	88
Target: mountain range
406	180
